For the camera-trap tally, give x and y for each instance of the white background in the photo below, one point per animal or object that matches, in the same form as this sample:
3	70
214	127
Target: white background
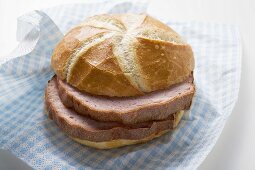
236	147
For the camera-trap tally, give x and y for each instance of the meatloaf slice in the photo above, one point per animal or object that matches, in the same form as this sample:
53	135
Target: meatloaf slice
84	128
157	105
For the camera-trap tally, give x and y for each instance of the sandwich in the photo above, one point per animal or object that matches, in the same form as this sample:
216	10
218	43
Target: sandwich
120	79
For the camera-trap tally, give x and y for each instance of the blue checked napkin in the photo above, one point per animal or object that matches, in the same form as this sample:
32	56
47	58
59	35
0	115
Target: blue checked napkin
26	131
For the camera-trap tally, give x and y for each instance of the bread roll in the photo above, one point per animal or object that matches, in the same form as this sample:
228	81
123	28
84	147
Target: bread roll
122	55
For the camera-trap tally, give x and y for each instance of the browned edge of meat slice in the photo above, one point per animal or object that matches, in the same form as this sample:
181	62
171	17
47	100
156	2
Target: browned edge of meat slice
129	110
82	127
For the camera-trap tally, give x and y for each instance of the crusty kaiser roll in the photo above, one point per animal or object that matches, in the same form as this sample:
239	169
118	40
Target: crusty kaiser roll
120	80
122	55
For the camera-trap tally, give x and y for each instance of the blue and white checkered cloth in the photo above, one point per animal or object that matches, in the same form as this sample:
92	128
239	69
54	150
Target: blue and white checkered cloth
26	131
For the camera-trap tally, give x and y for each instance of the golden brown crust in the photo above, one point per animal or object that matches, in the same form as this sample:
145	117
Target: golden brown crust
128	50
163	63
152	22
67	46
98	67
